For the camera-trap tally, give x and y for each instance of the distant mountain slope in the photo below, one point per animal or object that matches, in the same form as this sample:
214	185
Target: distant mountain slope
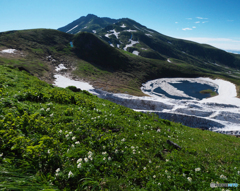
133	37
90	23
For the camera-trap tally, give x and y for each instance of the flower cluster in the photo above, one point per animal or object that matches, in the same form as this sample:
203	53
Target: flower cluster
197	169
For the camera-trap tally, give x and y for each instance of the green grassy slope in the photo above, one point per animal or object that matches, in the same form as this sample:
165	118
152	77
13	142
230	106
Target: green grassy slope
63	140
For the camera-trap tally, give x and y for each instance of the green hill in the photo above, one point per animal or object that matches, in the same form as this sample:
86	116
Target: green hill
106	67
54	139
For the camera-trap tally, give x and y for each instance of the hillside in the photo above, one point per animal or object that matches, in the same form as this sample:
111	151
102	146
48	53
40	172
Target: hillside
57	139
91	58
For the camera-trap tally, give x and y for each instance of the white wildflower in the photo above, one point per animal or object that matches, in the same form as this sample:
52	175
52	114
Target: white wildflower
123	139
132	147
51	115
150	161
154	176
167	160
184	174
109	158
79	165
189	179
58	170
223	177
197	169
239	172
70	174
158	130
168	177
90	153
116	151
79	160
73	138
70	133
104	158
1	155
77	143
73	145
48	151
60	131
47	109
104	153
86	159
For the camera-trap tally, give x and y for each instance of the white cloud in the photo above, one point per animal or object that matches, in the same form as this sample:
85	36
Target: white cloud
197	22
193	27
222	43
176	22
189	18
185	29
201	18
204	21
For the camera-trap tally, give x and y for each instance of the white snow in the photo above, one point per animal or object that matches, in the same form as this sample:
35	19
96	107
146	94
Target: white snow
118	45
123	26
62	81
112	45
60	67
135	52
94	31
85	27
227	92
143	48
129	30
130	45
148	34
72	28
107	35
169	60
115	33
220	113
9	51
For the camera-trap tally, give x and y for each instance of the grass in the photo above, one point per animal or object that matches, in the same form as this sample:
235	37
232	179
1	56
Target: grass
54	138
209	91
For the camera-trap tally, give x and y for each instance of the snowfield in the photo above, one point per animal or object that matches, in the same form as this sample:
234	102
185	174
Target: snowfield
9	51
131	44
220	113
136	52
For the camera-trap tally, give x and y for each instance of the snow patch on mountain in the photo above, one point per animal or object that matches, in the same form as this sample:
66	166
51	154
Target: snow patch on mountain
72	28
115	33
94	31
136	52
60	67
9	51
130	45
129	30
148	34
123	26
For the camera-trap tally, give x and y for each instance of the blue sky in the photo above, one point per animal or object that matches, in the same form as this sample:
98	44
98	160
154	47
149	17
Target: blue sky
215	22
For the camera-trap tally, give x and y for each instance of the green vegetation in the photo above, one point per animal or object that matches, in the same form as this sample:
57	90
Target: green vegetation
209	91
59	139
